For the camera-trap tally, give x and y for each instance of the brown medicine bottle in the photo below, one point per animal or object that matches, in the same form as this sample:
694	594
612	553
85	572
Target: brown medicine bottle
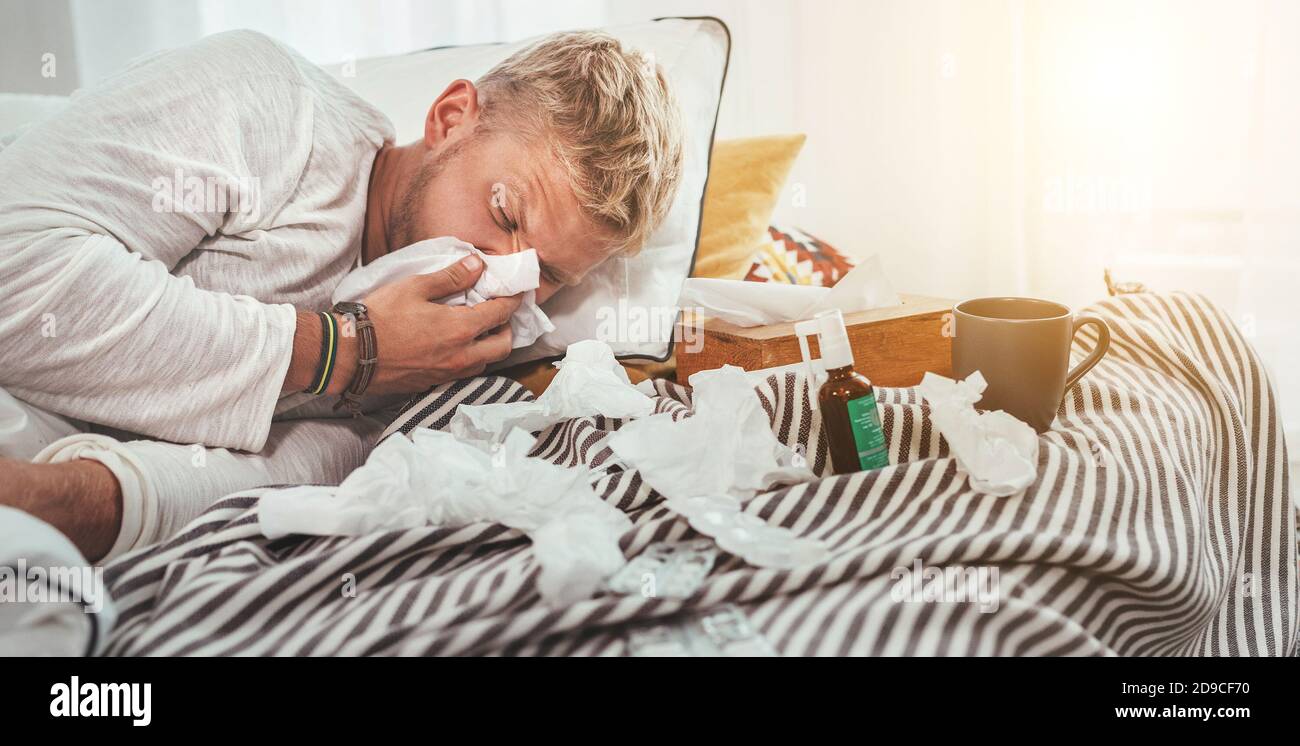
846	400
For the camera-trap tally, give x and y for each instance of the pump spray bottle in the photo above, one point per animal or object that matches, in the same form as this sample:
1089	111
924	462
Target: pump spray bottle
846	400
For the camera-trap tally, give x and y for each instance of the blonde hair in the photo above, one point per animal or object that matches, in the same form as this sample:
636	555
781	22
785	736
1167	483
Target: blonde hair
609	118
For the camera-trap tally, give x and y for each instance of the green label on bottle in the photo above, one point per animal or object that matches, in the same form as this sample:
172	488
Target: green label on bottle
868	437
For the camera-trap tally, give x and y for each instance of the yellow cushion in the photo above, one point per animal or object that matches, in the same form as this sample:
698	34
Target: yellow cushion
745	180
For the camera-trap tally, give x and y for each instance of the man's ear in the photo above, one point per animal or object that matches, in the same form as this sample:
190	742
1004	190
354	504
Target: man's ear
452	115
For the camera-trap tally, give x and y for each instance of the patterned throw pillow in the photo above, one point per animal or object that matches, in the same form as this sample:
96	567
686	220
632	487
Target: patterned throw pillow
794	257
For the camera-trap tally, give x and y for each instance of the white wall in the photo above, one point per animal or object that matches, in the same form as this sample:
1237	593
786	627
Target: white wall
29	31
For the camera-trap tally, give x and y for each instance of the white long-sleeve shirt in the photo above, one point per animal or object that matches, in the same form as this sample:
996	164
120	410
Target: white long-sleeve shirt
157	234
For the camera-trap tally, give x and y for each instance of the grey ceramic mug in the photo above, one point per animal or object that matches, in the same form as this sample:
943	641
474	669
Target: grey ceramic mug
1022	346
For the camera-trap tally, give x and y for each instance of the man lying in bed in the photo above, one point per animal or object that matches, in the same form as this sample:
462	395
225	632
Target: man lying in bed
198	324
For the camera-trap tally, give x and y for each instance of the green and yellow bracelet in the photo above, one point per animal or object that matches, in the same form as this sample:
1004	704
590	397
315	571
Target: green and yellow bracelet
329	348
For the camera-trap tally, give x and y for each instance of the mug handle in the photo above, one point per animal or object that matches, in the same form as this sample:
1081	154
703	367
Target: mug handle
1103	344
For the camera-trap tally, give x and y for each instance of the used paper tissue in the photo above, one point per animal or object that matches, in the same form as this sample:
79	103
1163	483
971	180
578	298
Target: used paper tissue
759	303
707	465
726	447
435	478
996	450
590	382
503	275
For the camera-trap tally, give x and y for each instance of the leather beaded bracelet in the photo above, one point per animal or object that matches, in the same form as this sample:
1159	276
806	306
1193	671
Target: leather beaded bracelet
368	355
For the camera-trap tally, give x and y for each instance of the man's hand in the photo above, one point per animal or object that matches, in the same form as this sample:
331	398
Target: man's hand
421	343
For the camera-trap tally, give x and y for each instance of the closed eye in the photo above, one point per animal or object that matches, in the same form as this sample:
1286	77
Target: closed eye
503	220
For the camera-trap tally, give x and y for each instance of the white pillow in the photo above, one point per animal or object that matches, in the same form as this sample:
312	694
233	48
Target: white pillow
628	303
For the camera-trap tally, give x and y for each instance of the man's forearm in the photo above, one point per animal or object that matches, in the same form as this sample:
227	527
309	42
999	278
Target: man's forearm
81	498
304	366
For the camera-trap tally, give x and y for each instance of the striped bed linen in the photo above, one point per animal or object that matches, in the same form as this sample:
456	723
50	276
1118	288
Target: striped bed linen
1160	524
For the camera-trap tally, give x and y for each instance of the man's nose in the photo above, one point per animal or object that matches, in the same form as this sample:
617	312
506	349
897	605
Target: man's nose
501	245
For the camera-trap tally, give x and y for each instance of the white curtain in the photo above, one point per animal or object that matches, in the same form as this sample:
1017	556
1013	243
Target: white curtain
1000	146
109	34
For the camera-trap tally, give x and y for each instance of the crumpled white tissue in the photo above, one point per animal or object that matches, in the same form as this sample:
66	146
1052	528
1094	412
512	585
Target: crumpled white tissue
434	477
726	447
997	451
755	304
503	275
590	382
707	465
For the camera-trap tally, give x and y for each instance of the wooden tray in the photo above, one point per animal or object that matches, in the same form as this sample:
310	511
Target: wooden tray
891	346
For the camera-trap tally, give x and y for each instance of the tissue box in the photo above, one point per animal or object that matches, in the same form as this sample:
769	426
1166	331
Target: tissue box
891	346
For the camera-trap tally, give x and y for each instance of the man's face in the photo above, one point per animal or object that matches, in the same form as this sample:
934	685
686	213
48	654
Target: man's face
502	196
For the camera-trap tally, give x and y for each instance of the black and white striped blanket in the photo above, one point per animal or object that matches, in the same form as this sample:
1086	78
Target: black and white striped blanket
1160	524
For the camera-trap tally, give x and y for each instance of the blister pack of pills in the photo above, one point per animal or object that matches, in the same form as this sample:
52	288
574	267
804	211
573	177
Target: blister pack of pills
746	535
724	631
666	569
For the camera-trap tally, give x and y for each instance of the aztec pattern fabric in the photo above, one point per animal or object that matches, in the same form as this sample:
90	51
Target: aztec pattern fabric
796	258
1160	524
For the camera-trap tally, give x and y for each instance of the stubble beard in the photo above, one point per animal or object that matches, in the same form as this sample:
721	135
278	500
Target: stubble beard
402	223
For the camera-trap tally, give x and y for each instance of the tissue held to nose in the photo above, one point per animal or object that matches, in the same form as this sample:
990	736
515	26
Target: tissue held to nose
503	275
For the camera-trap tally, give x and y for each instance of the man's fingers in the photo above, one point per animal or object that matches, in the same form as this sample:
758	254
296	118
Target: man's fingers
493	313
493	347
457	278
